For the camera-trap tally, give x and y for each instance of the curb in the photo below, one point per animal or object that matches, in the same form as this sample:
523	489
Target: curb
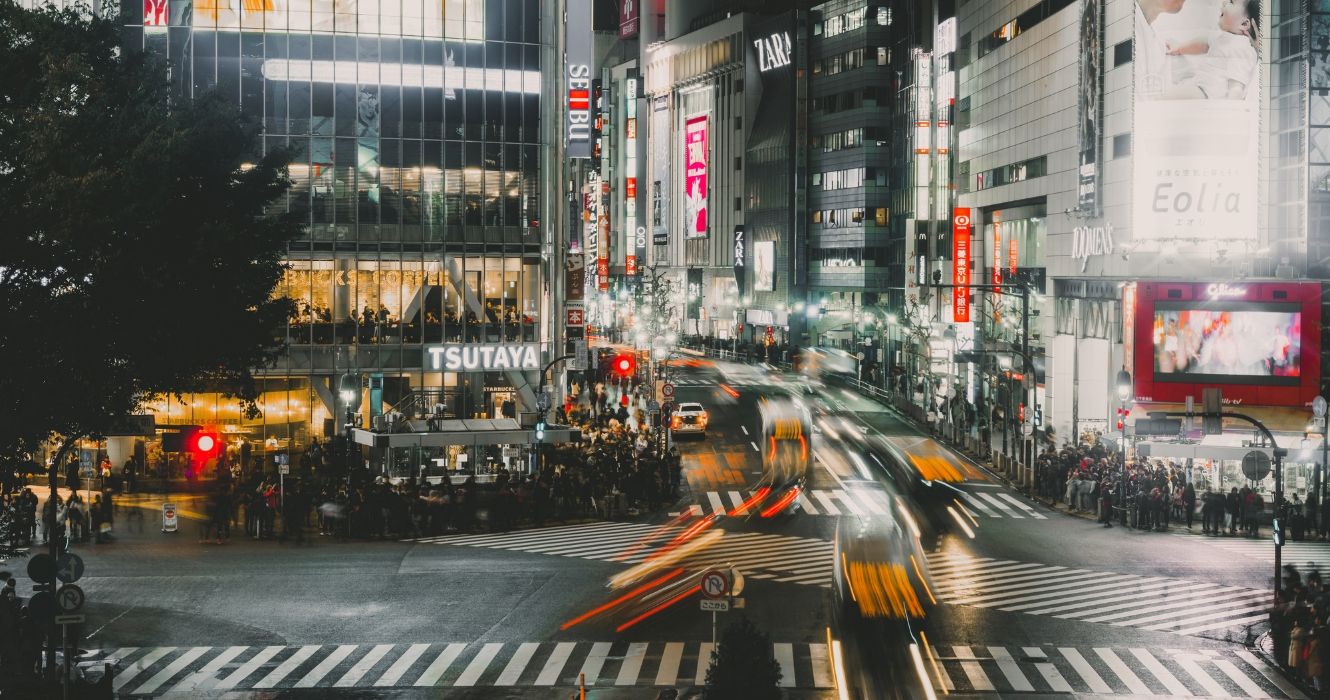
1264	648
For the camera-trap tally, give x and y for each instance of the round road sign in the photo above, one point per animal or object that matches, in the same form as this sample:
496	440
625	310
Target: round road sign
42	606
69	598
69	568
1318	406
41	568
715	584
667	390
1256	465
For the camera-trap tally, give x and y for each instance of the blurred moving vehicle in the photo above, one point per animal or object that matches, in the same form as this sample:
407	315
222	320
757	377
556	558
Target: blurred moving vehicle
689	418
787	449
820	364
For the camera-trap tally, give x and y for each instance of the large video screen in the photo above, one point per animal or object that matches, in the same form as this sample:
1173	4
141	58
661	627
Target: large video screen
1233	344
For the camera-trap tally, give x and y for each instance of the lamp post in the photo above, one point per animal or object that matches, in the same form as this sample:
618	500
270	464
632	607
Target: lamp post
1124	396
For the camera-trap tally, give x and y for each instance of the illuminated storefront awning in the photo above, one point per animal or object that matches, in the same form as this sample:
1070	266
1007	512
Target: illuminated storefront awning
474	432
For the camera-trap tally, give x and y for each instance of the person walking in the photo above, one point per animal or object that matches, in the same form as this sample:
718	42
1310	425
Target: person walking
1231	511
1188	503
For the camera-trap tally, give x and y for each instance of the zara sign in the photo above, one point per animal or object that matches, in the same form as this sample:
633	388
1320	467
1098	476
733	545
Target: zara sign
773	51
482	358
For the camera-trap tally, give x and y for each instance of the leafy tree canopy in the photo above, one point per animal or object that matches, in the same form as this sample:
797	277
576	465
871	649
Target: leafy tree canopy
135	257
743	665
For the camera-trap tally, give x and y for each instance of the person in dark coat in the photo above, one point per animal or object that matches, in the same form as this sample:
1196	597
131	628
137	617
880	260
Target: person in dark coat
1188	503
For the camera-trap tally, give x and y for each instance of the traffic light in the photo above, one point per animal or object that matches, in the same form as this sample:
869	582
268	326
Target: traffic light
205	444
540	430
624	365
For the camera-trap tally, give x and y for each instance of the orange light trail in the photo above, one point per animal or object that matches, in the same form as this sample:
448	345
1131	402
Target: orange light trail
658	608
621	599
651	537
729	390
781	504
759	496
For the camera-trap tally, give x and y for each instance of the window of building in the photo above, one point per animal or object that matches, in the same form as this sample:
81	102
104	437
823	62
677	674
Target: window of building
880	216
1021	24
738	204
738	163
1016	172
846	22
883	55
884	16
1122	53
1121	145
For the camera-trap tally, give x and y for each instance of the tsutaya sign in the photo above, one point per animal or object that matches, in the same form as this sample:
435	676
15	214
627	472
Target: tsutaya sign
1087	241
482	358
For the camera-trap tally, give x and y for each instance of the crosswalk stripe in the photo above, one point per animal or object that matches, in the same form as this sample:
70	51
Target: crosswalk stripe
1219	625
1113	601
1025	507
326	666
198	679
1152	665
632	664
478	665
1270	674
975	502
738	500
137	667
716	505
1085	670
1251	689
1238	597
1188	663
668	672
1130	679
827	506
973	671
363	666
805	504
1002	595
1010	670
818	654
595	661
704	662
1222	614
285	668
171	670
1003	573
401	665
248	668
1002	505
1101	584
549	675
1048	670
785	658
440	665
513	671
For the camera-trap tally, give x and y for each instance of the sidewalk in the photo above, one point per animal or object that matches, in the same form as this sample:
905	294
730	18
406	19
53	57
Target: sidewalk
188	505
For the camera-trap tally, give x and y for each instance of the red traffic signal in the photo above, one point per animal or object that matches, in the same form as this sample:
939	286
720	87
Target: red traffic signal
624	365
203	443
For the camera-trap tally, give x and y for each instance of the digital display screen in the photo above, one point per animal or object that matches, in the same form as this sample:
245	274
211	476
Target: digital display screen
1234	343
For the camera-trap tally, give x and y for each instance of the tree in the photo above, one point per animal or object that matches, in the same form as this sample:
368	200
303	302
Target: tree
137	257
743	664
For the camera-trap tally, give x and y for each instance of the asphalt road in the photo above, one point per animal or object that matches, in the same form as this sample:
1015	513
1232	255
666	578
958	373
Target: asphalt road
1036	602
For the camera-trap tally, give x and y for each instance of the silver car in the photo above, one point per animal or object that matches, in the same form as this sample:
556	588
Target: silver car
689	418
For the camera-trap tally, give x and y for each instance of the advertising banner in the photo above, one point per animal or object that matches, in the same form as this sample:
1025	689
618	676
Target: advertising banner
960	265
629	10
764	266
1196	95
740	258
695	141
694	292
577	74
1090	103
575	277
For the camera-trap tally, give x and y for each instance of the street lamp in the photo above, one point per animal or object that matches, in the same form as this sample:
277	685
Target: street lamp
1124	395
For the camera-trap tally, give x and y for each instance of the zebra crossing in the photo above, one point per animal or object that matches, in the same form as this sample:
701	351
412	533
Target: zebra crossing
207	670
1155	603
1301	554
1132	671
781	558
863	502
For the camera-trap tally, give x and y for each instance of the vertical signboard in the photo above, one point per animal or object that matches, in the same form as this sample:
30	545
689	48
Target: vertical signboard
156	13
630	174
764	266
660	169
1090	104
740	258
629	11
577	76
695	140
1196	121
960	265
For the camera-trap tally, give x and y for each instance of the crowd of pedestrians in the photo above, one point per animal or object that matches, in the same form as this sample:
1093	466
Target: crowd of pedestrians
1300	626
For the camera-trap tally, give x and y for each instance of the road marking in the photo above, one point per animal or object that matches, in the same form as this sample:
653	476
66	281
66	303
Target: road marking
171	670
973	671
1188	664
821	665
704	662
330	662
1085	671
1153	666
669	664
805	504
1010	670
1130	679
1270	674
248	668
827	506
975	502
1251	689
785	658
1029	510
401	665
286	667
517	664
440	665
595	660
738	500
745	429
137	667
549	675
755	449
198	678
1002	505
632	664
478	665
717	506
363	666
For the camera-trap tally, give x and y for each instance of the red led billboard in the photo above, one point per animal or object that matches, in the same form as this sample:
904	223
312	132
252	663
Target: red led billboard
1260	343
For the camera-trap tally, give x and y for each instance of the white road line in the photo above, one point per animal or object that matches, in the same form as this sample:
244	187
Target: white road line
821	665
549	675
1011	670
737	499
1188	663
704	662
1153	666
1022	596
1099	604
632	664
137	667
806	504
1053	678
744	428
1208	599
401	665
668	673
754	444
1125	674
440	665
1250	688
844	496
285	668
716	505
1029	510
363	666
1220	625
478	664
1106	584
1085	671
329	662
785	657
248	668
827	506
1270	674
1246	609
513	671
594	661
171	670
973	671
197	680
1002	505
976	503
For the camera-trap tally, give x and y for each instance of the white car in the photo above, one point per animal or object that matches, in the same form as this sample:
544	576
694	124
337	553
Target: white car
689	418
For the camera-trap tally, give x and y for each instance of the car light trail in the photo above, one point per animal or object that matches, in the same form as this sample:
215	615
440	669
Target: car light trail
756	498
621	599
782	503
960	521
658	608
838	679
729	390
651	537
665	559
919	669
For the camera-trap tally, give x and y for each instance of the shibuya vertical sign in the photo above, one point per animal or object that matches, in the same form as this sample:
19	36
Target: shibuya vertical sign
695	142
577	74
1196	120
